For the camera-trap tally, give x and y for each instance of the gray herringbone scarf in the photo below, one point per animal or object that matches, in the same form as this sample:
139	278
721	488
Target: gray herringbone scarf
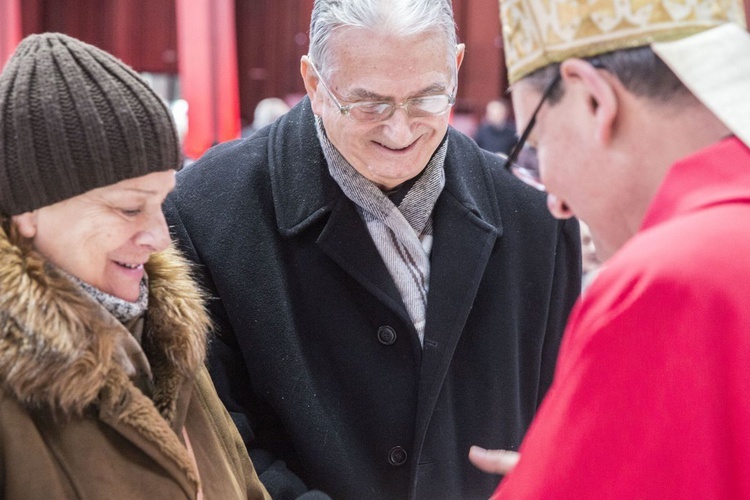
128	350
403	233
121	309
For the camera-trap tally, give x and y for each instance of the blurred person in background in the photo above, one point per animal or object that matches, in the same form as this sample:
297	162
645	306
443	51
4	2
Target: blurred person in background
267	111
386	294
640	115
496	133
103	392
590	262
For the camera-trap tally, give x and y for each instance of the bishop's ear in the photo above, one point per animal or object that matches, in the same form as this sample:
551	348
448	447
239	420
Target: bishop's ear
599	88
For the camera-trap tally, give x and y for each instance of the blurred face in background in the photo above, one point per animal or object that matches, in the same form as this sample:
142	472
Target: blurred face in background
374	67
496	112
104	236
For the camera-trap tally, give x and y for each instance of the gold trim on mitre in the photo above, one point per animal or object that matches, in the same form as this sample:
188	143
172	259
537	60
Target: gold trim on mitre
541	32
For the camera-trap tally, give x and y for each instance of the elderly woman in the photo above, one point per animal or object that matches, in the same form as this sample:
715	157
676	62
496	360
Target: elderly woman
103	393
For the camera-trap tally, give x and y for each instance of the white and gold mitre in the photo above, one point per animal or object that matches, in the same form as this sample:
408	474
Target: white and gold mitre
539	32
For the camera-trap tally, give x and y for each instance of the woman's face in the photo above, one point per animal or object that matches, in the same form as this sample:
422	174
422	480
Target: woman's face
104	236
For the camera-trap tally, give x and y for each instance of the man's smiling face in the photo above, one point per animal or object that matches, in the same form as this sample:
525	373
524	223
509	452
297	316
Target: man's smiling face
372	67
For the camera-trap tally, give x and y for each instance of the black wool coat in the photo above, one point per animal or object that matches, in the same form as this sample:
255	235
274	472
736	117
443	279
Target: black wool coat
316	357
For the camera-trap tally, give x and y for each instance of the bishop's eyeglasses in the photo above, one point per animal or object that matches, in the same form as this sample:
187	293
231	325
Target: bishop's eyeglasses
528	169
522	160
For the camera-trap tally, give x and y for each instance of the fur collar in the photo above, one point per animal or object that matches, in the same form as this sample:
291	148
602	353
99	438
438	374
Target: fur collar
57	344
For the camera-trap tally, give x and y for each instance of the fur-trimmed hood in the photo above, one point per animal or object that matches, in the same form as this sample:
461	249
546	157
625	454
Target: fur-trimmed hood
57	344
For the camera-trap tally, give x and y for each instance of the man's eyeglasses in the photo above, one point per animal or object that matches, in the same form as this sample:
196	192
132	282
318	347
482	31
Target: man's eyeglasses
522	160
528	169
376	111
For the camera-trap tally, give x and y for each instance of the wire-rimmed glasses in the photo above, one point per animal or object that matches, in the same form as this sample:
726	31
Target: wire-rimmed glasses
376	111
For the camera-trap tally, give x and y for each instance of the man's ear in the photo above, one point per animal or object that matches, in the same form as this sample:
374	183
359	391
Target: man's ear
460	53
26	223
599	90
310	79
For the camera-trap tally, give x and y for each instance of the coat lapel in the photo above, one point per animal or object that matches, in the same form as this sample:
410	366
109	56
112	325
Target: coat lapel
133	416
347	242
304	192
466	226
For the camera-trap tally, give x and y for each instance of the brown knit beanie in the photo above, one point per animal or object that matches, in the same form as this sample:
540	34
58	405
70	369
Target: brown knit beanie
74	118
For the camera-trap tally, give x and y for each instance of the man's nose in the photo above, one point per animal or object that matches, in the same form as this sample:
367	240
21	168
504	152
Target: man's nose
398	127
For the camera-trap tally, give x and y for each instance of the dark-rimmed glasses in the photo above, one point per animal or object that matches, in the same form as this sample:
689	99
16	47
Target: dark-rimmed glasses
376	111
528	170
522	160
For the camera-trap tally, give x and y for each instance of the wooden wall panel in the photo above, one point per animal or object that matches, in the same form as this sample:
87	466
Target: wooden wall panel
31	16
271	38
272	35
483	72
149	30
143	33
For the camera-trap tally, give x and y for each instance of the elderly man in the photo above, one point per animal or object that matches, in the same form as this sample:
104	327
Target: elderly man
385	294
640	114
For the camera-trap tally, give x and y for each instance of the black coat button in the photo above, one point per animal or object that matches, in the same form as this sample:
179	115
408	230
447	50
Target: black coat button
386	335
397	456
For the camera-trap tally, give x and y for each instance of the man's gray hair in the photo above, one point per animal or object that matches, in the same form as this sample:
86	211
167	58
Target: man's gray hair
398	18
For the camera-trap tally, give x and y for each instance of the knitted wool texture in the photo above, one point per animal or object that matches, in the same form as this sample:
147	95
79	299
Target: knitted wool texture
74	118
